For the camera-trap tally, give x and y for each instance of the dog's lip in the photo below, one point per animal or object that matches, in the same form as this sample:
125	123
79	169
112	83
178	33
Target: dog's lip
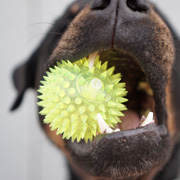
87	148
119	139
130	153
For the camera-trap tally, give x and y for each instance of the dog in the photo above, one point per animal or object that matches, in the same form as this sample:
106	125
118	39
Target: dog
135	37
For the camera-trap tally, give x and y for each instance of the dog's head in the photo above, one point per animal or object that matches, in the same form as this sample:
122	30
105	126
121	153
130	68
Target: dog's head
130	35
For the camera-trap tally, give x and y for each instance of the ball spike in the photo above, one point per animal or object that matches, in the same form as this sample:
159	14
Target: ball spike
64	114
104	66
104	75
74	117
71	108
72	91
96	60
69	63
91	71
100	96
66	100
71	76
63	63
102	108
122	100
116	76
58	64
81	80
109	88
116	81
76	68
86	64
66	85
91	108
78	100
98	65
82	109
117	93
84	118
115	112
111	70
111	104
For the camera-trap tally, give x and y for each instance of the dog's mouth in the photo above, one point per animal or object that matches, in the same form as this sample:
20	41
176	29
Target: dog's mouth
141	104
142	126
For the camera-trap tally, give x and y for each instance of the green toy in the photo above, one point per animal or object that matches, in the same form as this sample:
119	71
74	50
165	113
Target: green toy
72	94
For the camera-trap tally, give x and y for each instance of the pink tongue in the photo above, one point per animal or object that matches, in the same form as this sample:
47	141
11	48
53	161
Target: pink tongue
130	120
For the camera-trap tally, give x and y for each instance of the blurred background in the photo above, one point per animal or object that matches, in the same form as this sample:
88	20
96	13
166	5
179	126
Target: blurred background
25	152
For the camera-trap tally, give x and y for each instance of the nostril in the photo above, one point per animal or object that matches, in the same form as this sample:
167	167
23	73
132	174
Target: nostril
138	5
99	4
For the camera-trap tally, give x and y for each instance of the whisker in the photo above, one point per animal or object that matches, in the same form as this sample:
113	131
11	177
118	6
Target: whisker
156	4
31	25
47	13
177	38
51	33
175	68
177	49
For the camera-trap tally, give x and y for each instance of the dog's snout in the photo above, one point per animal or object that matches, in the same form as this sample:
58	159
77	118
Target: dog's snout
99	4
134	5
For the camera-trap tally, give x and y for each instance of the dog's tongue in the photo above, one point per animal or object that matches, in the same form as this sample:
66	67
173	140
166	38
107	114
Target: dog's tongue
130	120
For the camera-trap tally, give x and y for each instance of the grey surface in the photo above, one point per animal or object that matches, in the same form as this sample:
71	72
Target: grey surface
25	152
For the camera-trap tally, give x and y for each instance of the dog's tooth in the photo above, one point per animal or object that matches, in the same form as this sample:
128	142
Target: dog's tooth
148	120
102	124
143	118
117	130
108	130
92	58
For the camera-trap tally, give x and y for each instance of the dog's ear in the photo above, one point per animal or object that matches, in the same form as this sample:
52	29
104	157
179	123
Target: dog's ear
24	76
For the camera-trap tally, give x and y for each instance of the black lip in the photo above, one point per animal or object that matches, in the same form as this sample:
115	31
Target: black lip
87	148
110	150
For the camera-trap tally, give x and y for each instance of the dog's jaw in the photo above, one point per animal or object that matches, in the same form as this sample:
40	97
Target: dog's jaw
149	41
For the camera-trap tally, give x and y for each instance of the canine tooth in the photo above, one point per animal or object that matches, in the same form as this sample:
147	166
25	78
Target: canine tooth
108	130
102	124
148	120
92	58
143	118
117	130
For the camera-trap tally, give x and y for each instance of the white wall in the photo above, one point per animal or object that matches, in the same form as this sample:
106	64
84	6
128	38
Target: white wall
25	153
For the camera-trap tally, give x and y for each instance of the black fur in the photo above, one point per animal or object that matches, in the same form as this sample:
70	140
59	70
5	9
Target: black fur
113	31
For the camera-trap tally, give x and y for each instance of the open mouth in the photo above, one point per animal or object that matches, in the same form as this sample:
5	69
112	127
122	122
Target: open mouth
141	104
142	125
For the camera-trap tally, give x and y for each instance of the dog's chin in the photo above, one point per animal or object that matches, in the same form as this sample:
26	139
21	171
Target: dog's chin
141	144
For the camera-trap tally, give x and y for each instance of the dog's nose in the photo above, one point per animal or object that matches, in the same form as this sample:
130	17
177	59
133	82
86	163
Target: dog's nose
99	4
134	5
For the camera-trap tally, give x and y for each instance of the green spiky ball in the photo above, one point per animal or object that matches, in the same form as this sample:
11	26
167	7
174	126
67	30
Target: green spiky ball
72	94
